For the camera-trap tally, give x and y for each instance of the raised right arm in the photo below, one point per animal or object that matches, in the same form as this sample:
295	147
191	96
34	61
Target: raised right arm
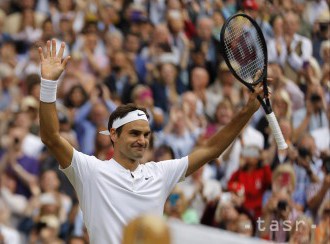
52	67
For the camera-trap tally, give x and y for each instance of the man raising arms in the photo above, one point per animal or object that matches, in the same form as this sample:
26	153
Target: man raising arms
113	192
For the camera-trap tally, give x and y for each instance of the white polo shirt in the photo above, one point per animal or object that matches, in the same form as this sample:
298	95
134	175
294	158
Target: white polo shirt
110	195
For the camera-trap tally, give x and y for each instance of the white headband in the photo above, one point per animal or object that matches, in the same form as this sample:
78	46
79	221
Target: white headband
131	116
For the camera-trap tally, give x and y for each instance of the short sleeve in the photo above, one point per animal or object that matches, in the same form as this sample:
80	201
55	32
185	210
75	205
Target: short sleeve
80	170
173	171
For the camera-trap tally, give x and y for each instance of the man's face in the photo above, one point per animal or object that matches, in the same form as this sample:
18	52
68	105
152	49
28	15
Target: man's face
133	140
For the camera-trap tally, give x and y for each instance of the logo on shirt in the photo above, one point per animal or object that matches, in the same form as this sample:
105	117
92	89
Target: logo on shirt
147	178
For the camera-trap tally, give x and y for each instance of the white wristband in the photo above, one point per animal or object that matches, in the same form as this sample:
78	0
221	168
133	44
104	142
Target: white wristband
48	89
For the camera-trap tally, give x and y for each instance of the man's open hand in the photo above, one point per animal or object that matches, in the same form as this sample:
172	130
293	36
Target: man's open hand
52	65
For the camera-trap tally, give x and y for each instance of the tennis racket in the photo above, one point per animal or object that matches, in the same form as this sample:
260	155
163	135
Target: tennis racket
245	52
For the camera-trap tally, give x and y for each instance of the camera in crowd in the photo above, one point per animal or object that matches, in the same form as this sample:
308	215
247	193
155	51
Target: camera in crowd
304	152
315	98
282	205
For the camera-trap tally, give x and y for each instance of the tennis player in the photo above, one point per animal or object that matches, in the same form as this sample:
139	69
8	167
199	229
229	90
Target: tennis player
113	192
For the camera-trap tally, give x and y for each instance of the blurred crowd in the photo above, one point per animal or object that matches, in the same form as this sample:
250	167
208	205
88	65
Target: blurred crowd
165	55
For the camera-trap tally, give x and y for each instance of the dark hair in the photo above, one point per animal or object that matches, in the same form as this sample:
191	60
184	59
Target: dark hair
121	111
68	100
164	149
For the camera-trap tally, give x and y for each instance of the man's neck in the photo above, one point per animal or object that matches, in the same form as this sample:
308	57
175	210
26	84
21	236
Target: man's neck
126	162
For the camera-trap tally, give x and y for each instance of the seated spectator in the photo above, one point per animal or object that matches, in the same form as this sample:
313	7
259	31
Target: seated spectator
176	207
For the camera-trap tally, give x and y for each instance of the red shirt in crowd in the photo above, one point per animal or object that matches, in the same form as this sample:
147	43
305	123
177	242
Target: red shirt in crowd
255	183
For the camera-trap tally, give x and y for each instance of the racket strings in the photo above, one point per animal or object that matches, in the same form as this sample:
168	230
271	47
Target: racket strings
244	49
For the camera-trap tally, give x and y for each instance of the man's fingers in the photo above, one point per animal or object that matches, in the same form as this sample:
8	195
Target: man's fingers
48	53
65	61
61	51
53	48
41	54
257	75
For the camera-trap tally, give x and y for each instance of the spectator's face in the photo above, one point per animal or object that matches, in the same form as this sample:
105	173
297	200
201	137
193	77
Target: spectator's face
291	24
27	4
48	31
132	43
174	5
161	34
91	41
204	29
168	73
199	79
49	181
28	18
77	97
218	19
278	26
23	119
227	81
65	5
280	106
99	114
119	60
224	114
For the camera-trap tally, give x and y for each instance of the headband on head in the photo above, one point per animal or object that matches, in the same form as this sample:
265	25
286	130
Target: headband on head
131	116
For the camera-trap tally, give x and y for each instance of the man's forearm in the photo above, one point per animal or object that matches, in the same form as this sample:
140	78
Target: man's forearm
221	140
49	125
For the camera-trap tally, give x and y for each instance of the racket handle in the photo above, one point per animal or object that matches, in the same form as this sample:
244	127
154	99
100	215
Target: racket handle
281	144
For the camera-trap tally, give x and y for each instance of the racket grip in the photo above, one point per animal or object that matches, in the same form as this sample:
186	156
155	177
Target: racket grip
276	130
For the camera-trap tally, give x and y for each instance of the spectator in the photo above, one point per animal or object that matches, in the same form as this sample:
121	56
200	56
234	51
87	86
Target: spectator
199	81
176	207
167	86
318	193
277	210
23	167
322	230
255	175
179	132
301	231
